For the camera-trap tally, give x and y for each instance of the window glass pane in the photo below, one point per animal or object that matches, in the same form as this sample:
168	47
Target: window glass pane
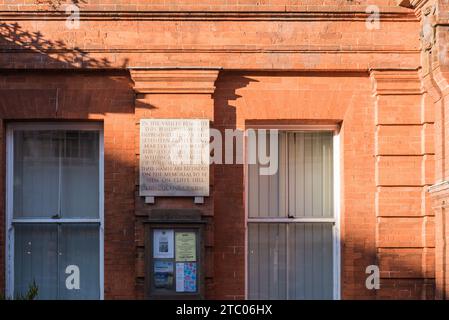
307	273
53	170
264	190
35	259
79	251
303	185
310	174
45	252
36	173
267	261
310	270
80	174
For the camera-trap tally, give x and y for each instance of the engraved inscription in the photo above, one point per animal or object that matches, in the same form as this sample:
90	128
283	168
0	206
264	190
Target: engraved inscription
174	157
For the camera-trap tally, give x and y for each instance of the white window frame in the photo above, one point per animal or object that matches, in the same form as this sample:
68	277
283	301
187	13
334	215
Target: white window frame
9	247
335	129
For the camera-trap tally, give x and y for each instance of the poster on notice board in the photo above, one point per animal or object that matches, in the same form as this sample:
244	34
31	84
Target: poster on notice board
163	244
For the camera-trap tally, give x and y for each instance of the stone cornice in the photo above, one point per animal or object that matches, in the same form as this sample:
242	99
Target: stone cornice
396	82
208	15
174	80
298	49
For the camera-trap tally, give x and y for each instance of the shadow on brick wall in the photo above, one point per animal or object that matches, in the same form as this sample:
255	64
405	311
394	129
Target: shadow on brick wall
401	276
85	95
49	80
20	48
229	211
58	4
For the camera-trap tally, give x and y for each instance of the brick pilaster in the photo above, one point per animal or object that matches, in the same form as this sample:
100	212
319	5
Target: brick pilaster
173	93
404	169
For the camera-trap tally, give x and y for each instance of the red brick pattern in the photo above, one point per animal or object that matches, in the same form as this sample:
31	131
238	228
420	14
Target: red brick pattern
285	98
106	97
404	169
334	39
310	62
181	99
206	5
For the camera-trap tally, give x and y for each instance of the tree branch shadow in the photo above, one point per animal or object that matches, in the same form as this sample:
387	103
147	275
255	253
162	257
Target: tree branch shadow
57	4
14	41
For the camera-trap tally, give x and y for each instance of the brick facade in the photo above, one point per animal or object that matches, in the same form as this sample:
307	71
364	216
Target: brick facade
242	62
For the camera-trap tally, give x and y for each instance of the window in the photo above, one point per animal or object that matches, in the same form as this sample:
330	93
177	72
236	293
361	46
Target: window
292	226
54	205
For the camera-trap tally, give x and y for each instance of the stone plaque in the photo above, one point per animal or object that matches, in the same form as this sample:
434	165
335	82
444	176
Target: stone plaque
174	157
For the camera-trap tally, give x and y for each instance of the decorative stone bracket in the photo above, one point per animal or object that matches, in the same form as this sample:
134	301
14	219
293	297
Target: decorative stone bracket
174	80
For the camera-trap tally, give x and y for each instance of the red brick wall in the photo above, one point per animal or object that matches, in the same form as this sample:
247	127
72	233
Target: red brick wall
404	170
206	5
287	97
336	38
237	100
172	106
105	97
298	66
